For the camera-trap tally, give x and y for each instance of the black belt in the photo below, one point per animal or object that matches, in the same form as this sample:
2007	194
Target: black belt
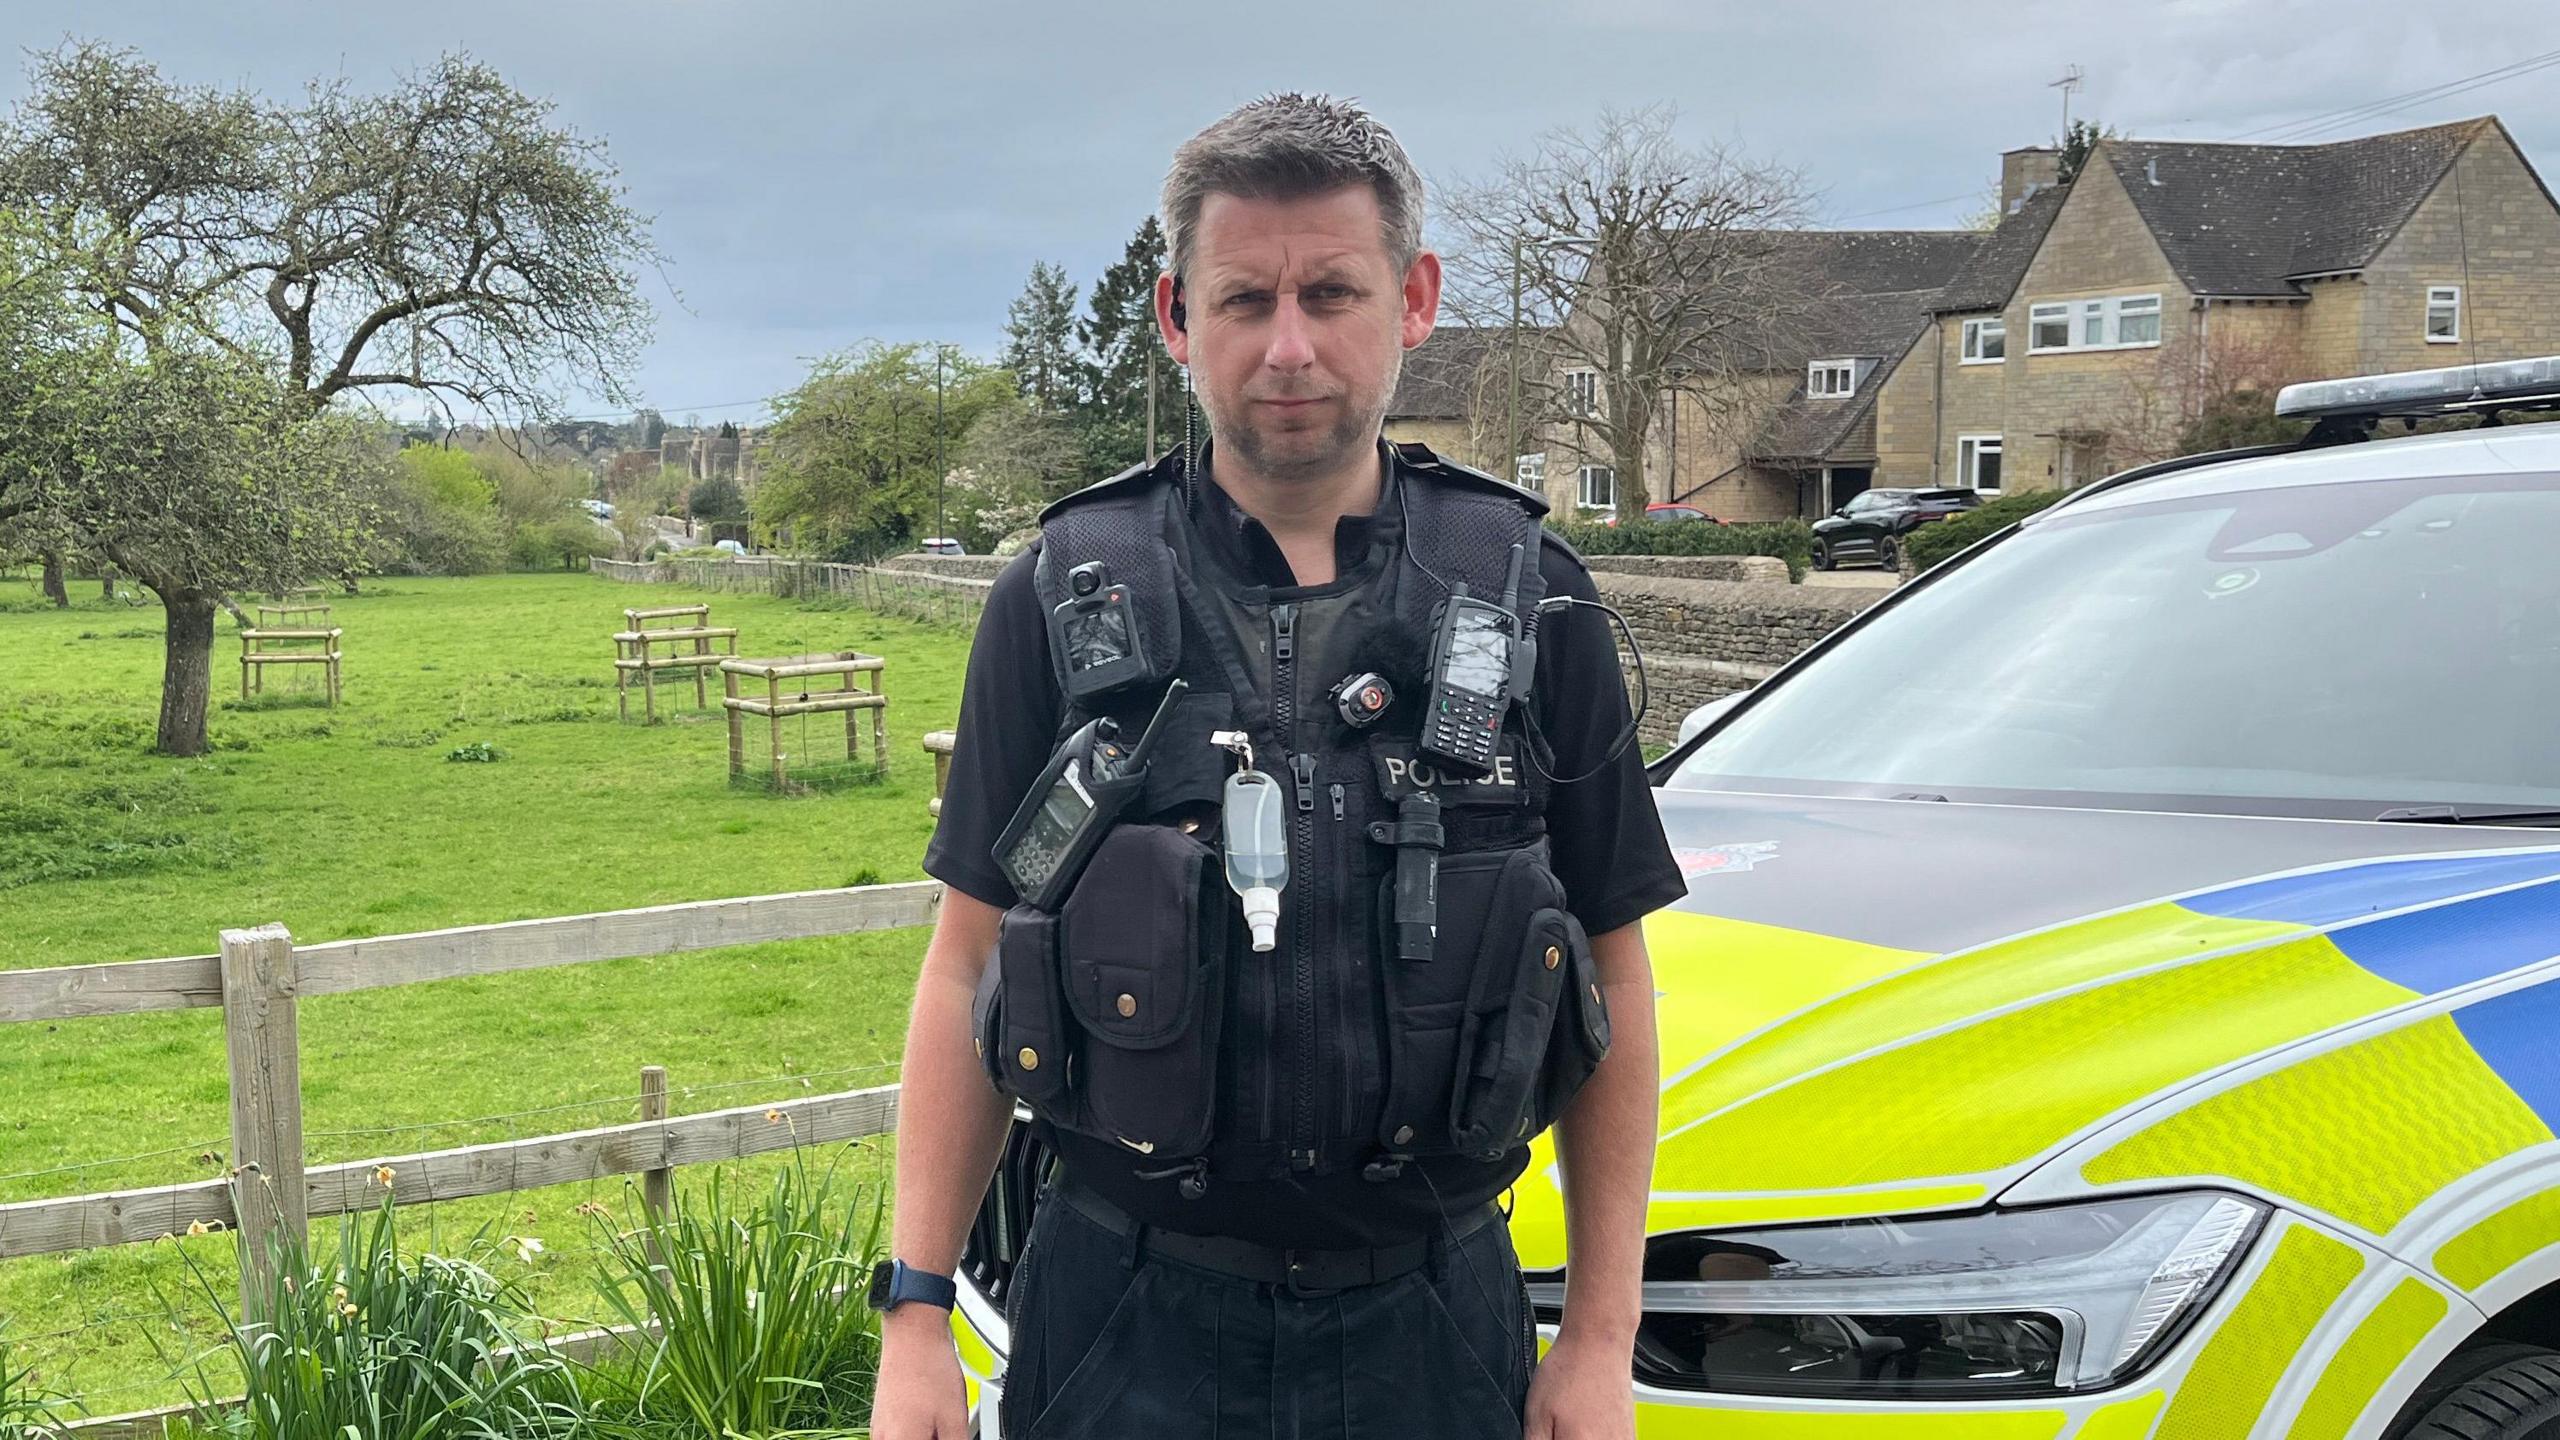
1301	1272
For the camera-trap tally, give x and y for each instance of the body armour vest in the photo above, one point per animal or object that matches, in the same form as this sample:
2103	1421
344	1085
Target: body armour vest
1137	1012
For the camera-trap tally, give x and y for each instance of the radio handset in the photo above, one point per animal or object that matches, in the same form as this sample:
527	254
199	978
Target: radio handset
1480	663
1089	781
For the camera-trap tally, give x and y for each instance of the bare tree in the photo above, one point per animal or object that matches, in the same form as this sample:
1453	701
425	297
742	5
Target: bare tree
1649	265
2194	393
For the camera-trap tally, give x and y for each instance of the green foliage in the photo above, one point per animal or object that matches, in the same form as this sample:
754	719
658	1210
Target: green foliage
478	752
2238	418
442	516
1116	334
1014	461
717	498
764	1329
25	1410
367	1343
1039	339
2077	143
1939	539
854	446
1788	540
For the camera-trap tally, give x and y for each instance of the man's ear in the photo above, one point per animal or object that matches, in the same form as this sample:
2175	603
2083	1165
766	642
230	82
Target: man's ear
1169	299
1421	298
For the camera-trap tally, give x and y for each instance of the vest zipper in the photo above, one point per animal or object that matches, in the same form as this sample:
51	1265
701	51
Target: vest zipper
1302	976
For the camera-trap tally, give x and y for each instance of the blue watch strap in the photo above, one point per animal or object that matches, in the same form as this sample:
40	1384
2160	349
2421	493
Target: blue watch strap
895	1283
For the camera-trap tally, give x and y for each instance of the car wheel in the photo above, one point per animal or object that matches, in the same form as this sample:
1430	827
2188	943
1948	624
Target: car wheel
1887	555
2496	1392
1822	555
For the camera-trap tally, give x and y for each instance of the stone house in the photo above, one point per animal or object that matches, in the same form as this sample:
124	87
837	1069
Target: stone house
1451	395
2079	334
2101	314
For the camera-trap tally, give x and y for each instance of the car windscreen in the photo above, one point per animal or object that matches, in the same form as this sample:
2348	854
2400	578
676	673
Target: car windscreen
2326	649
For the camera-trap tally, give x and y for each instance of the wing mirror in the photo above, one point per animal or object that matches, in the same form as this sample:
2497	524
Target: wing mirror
1707	714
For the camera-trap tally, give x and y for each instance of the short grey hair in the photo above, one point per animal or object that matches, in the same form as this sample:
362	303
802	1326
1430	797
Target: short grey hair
1286	147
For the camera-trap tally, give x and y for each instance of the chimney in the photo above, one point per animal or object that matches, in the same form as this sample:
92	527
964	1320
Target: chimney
2025	171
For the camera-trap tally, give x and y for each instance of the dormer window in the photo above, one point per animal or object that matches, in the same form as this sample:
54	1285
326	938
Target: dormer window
1827	378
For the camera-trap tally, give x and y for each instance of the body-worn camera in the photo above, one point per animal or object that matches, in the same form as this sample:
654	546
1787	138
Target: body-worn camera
1076	800
1363	699
1096	629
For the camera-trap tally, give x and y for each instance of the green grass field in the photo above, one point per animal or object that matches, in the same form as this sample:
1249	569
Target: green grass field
351	822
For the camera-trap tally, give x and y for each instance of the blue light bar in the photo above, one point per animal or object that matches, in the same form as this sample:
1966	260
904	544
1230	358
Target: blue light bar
2454	388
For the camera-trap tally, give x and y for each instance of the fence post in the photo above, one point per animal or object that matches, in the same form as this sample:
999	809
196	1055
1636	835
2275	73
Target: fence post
264	1038
655	1184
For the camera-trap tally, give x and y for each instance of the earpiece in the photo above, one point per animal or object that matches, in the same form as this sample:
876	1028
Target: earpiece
1180	317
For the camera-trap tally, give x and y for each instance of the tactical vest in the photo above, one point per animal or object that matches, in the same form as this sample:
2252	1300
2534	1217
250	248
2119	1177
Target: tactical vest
1138	1014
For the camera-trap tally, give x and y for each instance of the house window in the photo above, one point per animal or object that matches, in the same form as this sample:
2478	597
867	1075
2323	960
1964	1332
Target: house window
1831	377
1532	470
1986	341
2138	320
2110	322
1599	487
1978	461
1582	392
2444	314
2049	327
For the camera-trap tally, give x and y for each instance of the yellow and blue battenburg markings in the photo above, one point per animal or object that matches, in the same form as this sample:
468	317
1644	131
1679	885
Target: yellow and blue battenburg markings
1858	1078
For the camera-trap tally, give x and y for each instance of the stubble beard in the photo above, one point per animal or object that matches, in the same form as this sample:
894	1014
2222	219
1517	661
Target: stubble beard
1295	456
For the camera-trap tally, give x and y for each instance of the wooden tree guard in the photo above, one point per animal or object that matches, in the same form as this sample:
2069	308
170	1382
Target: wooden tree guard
789	691
262	647
939	744
635	652
294	614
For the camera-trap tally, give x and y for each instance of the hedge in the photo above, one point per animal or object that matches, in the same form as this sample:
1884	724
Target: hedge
1788	540
1939	539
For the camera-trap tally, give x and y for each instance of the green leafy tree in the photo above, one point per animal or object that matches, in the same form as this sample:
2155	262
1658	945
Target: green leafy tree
1039	339
2076	145
443	515
196	475
716	499
851	466
447	237
1015	460
1117	337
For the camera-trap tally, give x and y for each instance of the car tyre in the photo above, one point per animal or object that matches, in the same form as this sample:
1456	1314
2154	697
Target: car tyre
2494	1392
1822	555
1888	554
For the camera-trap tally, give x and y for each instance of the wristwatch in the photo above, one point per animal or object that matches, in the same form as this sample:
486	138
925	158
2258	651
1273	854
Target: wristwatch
895	1282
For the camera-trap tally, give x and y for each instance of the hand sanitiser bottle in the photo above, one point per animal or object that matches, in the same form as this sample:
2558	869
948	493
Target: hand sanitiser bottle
1255	824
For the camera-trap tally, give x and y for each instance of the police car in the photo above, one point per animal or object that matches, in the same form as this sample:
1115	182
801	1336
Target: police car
2118	993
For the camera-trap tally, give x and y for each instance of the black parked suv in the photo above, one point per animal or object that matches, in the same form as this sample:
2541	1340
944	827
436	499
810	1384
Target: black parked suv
1872	524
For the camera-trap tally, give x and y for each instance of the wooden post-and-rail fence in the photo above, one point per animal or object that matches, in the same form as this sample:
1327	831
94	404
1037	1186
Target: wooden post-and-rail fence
258	979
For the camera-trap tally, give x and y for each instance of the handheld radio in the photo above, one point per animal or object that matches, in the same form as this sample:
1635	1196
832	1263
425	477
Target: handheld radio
1476	652
1076	800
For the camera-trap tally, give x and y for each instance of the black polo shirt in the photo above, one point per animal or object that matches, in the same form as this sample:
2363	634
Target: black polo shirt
1607	839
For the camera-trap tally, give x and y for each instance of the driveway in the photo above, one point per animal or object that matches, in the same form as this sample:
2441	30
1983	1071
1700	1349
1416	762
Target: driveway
1853	579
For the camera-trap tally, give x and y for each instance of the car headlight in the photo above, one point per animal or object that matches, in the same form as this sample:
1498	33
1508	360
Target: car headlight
2002	1303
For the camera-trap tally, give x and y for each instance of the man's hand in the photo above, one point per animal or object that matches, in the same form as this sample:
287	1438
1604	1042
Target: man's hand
1584	1390
920	1396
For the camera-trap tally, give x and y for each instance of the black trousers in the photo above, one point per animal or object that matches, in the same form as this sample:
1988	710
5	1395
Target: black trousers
1110	1341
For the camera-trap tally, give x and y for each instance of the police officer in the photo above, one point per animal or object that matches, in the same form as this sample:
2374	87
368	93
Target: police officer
1283	1122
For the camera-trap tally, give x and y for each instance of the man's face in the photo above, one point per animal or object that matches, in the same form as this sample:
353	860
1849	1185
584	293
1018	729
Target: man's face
1298	324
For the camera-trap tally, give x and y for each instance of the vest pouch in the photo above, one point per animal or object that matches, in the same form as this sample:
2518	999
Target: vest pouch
1451	1015
1503	1045
1144	936
1027	1012
1582	1029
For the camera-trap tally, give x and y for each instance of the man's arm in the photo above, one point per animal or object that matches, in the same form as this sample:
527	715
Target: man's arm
951	1128
1604	1143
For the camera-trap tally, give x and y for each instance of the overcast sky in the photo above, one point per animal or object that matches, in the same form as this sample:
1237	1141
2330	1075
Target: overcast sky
825	171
